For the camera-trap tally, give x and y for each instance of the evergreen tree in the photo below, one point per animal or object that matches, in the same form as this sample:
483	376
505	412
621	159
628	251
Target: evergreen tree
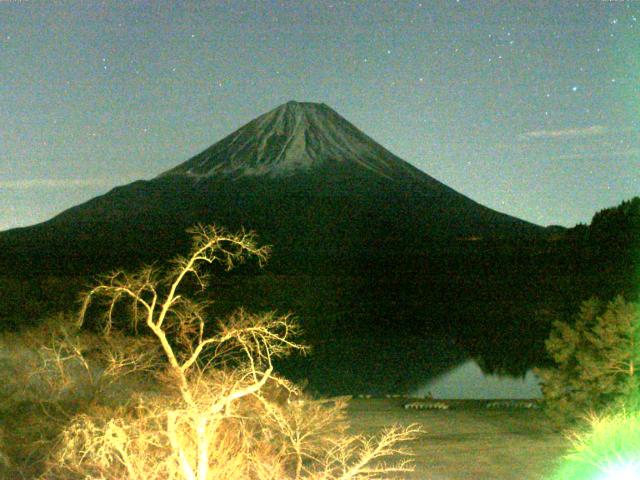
597	360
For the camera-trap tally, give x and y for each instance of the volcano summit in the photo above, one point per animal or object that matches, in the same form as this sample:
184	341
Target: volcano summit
308	181
295	138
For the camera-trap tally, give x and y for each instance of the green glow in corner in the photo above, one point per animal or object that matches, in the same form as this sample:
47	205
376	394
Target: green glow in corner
609	450
622	471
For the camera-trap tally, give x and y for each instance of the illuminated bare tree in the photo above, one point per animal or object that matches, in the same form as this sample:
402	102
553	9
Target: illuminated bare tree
221	411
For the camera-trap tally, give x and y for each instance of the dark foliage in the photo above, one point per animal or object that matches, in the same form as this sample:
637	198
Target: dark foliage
596	359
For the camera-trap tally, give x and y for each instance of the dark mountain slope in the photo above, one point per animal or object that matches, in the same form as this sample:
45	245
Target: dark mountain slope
394	274
304	178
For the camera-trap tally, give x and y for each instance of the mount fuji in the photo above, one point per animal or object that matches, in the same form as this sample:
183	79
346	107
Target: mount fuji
394	274
307	180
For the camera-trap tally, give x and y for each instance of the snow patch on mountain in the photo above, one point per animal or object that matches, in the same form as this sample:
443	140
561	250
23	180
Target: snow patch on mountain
294	137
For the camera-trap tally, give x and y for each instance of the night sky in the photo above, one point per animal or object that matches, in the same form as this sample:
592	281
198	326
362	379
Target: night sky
531	108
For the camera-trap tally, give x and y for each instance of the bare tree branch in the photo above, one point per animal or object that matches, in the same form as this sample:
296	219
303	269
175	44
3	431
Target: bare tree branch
210	421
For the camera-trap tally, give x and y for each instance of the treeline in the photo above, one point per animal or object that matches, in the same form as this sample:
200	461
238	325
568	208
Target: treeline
617	226
608	249
600	260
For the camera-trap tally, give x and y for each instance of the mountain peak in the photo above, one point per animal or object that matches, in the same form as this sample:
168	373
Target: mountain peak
293	137
296	104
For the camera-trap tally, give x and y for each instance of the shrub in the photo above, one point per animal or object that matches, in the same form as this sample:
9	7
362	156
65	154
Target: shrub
52	372
596	360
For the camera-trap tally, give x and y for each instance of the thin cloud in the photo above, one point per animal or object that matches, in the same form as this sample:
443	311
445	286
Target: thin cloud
592	131
632	152
59	183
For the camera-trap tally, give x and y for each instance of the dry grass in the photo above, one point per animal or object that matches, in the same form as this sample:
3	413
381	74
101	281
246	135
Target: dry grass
468	441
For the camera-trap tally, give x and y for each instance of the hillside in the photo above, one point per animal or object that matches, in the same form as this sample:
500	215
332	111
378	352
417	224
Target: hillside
308	181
